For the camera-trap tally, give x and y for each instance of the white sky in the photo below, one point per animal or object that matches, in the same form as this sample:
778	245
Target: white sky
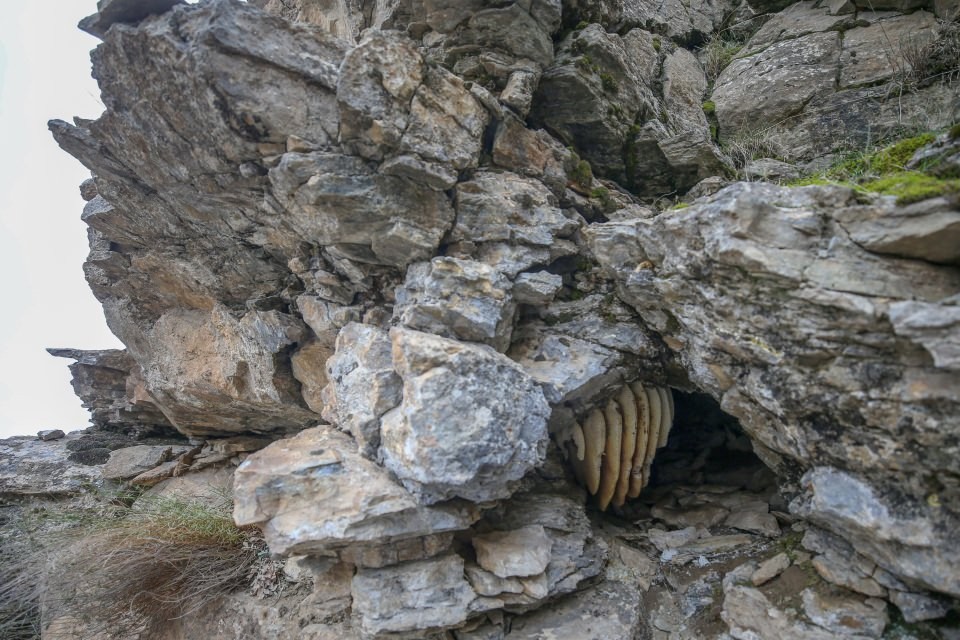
44	300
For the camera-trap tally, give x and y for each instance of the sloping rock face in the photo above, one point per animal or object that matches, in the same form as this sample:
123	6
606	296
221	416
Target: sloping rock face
407	236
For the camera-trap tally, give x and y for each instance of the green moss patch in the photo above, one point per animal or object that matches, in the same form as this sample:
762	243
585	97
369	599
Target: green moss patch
912	186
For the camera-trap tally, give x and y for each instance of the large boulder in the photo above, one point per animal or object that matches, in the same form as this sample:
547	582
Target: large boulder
471	423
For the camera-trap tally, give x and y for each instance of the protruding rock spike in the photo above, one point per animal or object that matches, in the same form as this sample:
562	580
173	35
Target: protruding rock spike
610	470
594	438
643	437
655	423
666	416
628	411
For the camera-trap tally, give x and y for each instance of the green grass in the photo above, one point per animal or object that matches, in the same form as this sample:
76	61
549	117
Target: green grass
884	171
709	107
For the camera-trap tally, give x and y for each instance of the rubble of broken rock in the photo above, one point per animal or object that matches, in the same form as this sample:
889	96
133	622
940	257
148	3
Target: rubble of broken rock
380	269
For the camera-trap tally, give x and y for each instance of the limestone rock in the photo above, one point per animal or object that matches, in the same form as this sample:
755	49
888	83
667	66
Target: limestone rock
363	385
499	211
909	546
50	434
536	288
749	614
518	553
308	366
916	607
935	326
314	493
414	598
576	103
29	466
110	12
763	88
927	230
460	299
846	616
770	569
610	610
790	258
132	461
471	422
110	386
407	107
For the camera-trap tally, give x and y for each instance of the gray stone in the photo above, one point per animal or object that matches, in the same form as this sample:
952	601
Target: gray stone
706	515
764	88
751	616
50	434
110	12
314	493
609	610
764	523
567	368
770	170
879	51
664	540
488	584
841	7
927	230
29	466
846	616
132	461
520	552
934	326
414	598
111	387
362	384
461	299
770	569
917	607
908	545
536	288
471	422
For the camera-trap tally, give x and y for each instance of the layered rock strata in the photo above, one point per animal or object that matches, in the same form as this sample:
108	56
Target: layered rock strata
353	233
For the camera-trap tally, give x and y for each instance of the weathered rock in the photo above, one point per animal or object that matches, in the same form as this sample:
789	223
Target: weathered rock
770	569
610	610
792	259
518	553
500	211
110	385
314	493
132	461
471	422
50	434
536	288
927	230
459	299
917	607
110	12
414	598
29	466
594	91
764	88
754	522
844	615
750	615
363	385
880	51
909	545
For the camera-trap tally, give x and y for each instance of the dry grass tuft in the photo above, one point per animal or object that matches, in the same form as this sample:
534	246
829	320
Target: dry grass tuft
747	146
130	573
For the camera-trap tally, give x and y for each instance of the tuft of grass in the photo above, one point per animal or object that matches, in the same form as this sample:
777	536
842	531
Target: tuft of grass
716	55
608	82
884	171
129	571
954	132
747	146
709	107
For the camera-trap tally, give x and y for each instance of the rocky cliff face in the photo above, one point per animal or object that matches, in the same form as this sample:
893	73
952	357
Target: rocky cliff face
423	240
